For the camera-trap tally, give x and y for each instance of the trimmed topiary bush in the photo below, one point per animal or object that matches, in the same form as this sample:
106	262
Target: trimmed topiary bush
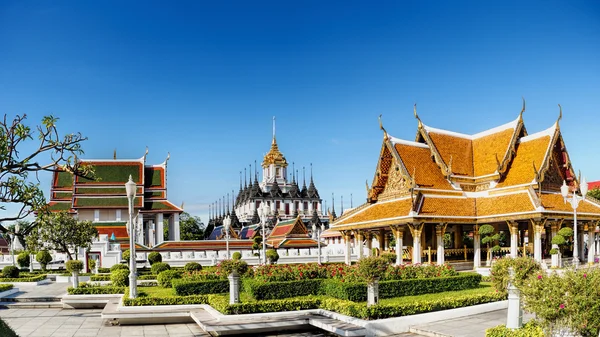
10	272
524	267
118	267
236	256
372	268
91	264
158	267
227	267
119	278
23	259
154	257
125	255
166	277
530	329
74	266
192	266
43	258
272	256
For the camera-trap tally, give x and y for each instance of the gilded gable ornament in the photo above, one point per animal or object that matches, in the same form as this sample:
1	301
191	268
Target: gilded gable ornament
396	184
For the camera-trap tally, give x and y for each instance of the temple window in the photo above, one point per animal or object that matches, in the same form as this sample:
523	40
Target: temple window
278	171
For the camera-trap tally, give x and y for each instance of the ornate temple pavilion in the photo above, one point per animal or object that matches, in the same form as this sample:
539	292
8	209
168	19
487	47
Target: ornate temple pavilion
445	181
104	200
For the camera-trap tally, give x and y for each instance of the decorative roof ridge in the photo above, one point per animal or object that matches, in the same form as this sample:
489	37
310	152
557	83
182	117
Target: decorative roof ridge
511	148
510	125
395	141
548	132
422	132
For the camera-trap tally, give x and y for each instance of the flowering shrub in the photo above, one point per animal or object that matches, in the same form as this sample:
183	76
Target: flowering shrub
288	272
524	267
410	271
232	266
564	302
372	268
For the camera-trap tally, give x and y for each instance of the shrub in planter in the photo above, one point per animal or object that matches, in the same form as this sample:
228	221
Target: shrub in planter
524	267
166	277
119	278
91	264
23	259
372	268
74	266
118	267
236	256
103	270
227	267
10	272
272	255
158	267
192	266
154	257
126	254
43	258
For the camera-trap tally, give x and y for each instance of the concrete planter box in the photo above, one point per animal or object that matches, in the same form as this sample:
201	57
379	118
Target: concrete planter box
69	279
24	284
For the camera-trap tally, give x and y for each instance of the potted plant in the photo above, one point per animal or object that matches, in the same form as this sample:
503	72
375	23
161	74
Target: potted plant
372	269
74	267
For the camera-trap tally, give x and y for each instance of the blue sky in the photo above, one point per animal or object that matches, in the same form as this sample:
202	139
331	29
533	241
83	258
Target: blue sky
202	80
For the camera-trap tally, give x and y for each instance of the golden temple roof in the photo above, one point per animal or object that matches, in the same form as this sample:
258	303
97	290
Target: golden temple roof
274	156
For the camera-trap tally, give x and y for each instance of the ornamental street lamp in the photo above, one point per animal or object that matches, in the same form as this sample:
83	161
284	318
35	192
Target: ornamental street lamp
226	223
319	231
263	213
12	243
574	200
130	187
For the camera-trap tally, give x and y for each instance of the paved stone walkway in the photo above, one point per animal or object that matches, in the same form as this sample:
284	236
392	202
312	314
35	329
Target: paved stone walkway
82	323
31	292
470	326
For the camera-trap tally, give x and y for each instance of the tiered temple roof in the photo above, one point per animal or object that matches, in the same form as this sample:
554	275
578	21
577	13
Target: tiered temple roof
75	194
443	176
291	234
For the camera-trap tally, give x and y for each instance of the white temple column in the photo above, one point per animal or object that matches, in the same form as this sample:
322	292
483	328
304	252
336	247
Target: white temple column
399	235
513	227
538	227
160	238
348	240
581	233
476	247
176	232
369	239
359	238
591	248
141	235
416	230
440	229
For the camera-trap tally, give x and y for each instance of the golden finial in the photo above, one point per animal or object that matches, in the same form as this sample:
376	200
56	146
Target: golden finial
367	185
417	115
559	114
182	203
523	109
146	153
385	135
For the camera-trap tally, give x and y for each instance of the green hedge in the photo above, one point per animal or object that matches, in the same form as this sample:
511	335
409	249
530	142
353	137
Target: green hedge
283	289
25	279
530	329
144	300
105	277
221	303
97	290
5	287
357	292
147	277
103	270
360	310
186	287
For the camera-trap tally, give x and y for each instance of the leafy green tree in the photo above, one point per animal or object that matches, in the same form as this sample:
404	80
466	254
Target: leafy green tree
191	227
594	193
22	151
62	232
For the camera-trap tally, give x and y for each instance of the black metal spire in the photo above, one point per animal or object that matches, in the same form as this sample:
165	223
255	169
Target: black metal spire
333	206
351	200
304	191
312	190
228	213
342	205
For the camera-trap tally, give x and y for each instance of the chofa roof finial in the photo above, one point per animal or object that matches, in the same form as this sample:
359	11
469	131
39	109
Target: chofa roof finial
523	109
417	115
559	114
385	135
